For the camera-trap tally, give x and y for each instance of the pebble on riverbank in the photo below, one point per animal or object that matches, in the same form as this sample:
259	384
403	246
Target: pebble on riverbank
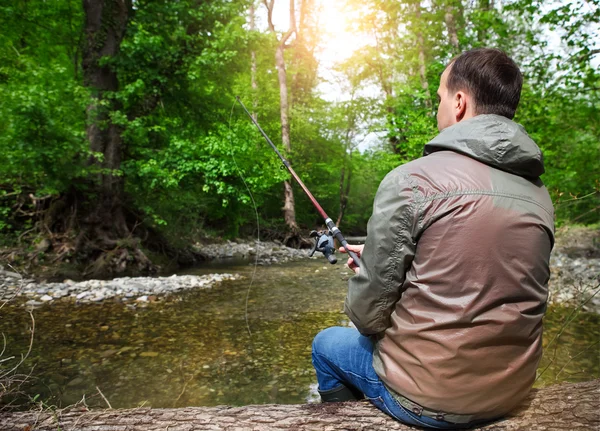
138	289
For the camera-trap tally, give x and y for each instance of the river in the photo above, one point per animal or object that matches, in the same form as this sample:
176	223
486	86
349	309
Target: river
233	344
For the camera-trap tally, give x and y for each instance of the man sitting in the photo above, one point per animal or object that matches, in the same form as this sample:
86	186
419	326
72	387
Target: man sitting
452	288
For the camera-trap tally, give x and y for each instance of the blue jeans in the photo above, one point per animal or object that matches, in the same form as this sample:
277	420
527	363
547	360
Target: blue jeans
342	356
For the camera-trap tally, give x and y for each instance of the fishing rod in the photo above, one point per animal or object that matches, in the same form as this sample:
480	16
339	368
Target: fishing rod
324	241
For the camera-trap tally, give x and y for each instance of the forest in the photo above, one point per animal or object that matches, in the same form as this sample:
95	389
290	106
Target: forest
121	140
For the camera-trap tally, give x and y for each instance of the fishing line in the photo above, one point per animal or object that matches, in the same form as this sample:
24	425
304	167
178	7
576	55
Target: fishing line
257	220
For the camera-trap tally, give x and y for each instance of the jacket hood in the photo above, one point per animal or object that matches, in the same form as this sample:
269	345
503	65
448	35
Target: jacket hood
493	140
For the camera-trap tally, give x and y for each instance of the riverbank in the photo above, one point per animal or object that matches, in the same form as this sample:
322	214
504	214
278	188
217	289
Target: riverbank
140	290
575	268
125	289
575	278
261	253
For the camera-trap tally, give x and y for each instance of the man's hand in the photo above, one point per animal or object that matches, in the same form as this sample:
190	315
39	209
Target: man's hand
356	249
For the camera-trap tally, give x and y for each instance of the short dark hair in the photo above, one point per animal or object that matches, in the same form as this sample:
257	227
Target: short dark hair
491	77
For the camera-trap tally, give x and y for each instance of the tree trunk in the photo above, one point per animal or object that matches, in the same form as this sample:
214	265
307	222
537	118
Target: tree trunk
450	19
422	63
561	407
104	223
253	81
345	191
289	212
303	61
385	80
105	23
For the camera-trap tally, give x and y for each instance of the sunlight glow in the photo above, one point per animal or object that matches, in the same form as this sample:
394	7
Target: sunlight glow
338	41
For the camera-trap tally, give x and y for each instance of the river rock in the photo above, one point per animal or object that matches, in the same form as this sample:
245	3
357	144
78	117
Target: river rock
77	381
33	303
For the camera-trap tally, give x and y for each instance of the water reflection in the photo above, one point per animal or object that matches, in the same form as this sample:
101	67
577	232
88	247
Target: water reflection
571	347
233	344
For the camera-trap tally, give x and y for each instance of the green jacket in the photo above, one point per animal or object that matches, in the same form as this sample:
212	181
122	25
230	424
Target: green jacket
455	268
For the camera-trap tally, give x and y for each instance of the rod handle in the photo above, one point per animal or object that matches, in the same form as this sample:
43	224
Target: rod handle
338	235
352	255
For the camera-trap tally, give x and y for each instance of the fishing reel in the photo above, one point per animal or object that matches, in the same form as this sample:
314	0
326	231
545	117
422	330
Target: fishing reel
324	244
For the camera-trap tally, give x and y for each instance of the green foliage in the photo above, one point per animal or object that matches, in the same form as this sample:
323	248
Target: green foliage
567	129
42	113
560	104
192	162
43	142
560	101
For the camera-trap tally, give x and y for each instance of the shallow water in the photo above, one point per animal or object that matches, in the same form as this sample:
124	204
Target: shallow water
201	348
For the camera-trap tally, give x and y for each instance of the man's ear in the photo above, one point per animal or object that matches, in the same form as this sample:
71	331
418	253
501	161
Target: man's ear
460	105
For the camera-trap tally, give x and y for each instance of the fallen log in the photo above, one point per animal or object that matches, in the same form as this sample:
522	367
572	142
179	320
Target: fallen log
560	407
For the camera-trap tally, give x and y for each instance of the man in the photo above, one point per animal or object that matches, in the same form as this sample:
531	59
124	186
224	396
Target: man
452	287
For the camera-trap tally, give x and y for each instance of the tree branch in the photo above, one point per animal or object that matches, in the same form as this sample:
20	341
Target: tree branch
587	55
269	6
292	28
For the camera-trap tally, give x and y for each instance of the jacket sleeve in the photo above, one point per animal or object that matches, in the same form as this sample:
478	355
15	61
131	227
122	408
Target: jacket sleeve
389	250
